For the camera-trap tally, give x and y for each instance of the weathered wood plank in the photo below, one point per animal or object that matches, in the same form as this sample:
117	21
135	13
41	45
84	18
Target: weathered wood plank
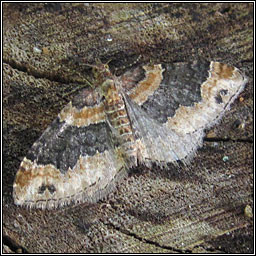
45	49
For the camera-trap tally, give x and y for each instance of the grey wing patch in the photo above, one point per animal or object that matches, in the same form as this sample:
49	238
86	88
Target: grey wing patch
158	143
61	144
180	86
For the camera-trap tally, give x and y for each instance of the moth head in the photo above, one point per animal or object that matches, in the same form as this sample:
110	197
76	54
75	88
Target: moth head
101	72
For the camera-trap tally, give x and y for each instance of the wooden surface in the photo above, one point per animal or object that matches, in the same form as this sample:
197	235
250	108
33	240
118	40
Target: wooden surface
205	208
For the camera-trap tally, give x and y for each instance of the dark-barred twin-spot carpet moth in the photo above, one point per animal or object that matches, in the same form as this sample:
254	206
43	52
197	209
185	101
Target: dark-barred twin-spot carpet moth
150	114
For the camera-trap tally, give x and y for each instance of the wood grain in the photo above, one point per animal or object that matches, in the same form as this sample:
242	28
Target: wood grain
45	49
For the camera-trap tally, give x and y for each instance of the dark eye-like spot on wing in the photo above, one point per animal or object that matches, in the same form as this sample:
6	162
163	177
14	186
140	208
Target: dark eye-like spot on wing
41	189
51	189
223	92
218	97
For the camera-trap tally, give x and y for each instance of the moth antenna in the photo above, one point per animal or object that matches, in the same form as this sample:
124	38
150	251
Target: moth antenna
108	61
78	88
90	65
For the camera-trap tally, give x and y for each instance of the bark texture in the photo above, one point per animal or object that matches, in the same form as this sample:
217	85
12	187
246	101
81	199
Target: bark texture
207	208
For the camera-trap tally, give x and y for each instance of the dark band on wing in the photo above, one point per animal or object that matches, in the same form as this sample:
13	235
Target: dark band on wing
61	144
181	85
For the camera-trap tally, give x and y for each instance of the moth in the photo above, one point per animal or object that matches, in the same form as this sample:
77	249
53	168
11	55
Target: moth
151	114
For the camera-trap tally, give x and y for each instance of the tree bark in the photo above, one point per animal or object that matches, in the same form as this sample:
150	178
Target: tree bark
207	208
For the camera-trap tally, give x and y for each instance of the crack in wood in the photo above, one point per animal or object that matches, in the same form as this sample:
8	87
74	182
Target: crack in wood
36	74
144	240
209	249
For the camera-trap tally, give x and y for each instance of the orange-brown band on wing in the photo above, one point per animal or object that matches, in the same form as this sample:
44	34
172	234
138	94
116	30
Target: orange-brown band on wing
221	70
147	86
84	116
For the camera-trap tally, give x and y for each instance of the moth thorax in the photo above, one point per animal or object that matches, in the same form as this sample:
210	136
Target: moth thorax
108	89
